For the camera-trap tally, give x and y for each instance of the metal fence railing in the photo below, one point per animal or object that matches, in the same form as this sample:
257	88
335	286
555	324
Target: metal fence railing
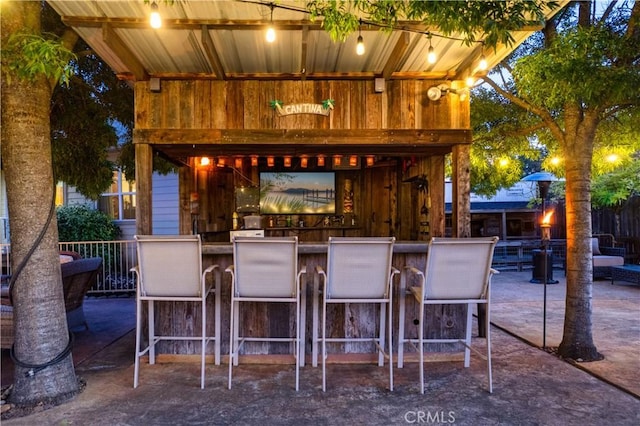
118	257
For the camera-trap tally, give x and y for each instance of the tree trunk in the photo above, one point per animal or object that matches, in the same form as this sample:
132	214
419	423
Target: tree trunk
39	315
577	340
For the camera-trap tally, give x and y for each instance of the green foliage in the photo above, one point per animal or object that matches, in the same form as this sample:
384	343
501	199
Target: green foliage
83	115
81	223
613	189
30	55
491	21
584	66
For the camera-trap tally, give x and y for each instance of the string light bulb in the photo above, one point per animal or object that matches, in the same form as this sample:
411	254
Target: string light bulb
271	32
360	43
482	65
431	55
155	20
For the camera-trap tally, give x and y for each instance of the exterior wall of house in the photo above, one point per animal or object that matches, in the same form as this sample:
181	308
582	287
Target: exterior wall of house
165	204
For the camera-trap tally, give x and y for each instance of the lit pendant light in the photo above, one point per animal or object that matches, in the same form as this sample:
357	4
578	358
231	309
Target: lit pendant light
431	55
304	161
287	161
254	160
320	160
482	65
360	44
271	32
154	18
270	161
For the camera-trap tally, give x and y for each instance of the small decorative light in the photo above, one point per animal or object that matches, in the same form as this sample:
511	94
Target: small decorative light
555	161
337	160
205	161
470	81
254	160
612	158
360	43
270	161
320	160
370	160
155	20
238	162
432	58
504	162
482	65
222	162
304	161
353	161
271	32
287	161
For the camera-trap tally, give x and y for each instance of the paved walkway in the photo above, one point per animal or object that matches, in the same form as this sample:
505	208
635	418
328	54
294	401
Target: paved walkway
531	386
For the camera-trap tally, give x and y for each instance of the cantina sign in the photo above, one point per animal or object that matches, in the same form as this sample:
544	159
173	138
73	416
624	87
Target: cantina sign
318	109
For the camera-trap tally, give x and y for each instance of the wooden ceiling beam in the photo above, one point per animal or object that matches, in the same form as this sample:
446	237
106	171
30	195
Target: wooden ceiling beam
131	62
319	137
212	54
397	53
444	75
239	24
303	53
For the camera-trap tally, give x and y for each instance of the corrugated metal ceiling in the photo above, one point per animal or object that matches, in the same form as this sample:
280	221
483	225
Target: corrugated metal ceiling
226	40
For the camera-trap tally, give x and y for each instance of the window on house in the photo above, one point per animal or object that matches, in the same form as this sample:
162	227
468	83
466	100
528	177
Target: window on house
120	201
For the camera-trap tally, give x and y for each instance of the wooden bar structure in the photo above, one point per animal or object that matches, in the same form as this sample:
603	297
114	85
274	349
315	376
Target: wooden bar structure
408	135
208	84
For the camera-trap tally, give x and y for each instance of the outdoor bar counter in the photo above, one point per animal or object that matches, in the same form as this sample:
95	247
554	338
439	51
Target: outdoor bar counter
279	319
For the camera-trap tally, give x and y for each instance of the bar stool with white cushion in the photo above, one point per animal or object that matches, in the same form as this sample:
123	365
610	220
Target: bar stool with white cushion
170	270
458	271
264	270
359	271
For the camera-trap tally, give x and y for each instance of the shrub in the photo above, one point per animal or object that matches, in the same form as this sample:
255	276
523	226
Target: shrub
81	223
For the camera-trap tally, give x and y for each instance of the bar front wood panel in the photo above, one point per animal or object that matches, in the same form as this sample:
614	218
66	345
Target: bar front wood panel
263	319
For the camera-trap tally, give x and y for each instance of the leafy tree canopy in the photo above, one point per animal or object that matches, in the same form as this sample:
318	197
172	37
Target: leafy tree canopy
491	21
520	113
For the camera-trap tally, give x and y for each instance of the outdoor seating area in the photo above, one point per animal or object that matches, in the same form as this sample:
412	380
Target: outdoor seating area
354	281
78	276
524	375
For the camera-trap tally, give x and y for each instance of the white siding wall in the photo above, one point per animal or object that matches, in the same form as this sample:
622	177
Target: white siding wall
165	204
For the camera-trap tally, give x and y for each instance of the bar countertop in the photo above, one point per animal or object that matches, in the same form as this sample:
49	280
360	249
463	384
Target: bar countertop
317	247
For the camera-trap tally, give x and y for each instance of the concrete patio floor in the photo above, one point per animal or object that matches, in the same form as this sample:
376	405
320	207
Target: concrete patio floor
531	386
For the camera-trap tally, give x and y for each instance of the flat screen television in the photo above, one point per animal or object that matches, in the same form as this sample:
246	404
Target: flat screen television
297	193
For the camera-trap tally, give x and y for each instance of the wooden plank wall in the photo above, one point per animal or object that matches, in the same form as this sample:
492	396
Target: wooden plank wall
209	104
213	104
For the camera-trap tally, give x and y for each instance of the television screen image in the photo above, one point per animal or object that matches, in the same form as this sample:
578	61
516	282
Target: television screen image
297	193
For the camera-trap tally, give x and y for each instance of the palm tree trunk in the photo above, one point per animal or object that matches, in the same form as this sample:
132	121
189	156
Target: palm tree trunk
39	315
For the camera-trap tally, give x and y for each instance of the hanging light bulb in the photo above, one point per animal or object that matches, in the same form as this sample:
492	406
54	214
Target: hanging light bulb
271	32
154	18
431	55
360	44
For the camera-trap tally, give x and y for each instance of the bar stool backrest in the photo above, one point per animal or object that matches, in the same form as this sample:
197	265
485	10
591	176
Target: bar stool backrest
169	265
458	268
359	268
265	267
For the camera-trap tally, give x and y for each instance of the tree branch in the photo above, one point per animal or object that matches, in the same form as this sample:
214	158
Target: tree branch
544	115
